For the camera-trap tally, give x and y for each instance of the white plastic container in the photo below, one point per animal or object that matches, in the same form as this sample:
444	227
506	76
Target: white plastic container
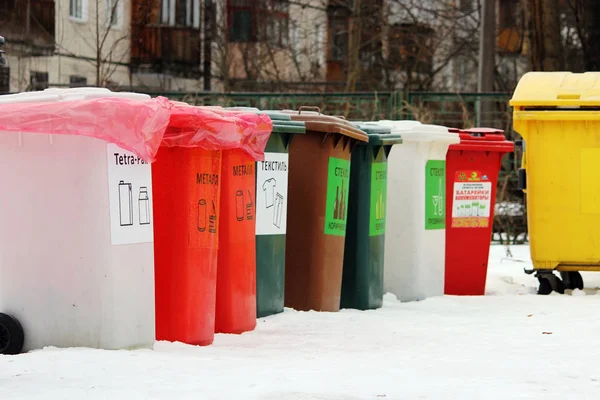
69	272
415	237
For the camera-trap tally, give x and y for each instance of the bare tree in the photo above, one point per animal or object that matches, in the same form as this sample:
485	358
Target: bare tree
277	43
107	37
543	34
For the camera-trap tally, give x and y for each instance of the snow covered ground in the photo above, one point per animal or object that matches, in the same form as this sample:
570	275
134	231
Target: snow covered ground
509	344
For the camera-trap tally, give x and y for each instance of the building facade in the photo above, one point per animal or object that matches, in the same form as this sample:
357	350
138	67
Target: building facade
252	45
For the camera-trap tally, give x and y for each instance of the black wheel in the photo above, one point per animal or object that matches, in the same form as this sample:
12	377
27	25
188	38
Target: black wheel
545	287
12	336
572	280
559	286
576	280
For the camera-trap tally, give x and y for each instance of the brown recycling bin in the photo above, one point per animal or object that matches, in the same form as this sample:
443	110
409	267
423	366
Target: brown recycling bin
319	181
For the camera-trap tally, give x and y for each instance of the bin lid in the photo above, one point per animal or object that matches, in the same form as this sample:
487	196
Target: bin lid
482	139
282	123
414	131
379	134
556	89
315	121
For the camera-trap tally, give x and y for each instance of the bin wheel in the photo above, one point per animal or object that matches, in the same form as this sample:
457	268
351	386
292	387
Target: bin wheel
12	336
545	287
549	283
572	279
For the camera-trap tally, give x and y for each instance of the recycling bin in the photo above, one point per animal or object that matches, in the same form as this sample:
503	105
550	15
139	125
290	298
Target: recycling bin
77	265
362	279
187	180
319	182
271	212
472	169
415	234
557	115
271	215
236	272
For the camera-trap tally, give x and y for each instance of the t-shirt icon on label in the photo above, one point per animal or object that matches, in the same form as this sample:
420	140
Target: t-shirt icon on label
269	188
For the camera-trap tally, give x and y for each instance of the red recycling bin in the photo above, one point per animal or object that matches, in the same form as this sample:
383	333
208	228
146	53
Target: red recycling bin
472	176
236	275
236	278
187	181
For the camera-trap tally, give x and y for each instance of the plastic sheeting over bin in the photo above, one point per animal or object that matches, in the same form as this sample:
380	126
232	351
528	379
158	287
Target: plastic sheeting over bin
188	182
76	265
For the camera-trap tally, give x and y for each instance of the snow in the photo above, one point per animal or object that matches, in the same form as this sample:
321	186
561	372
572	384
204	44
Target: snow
508	344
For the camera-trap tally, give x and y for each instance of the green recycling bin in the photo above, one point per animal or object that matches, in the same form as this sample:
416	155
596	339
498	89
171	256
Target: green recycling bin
271	215
271	212
362	279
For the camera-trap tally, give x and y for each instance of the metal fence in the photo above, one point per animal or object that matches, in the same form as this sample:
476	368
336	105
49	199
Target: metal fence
458	110
355	106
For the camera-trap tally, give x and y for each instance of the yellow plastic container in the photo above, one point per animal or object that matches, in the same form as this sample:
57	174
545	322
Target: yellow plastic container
558	116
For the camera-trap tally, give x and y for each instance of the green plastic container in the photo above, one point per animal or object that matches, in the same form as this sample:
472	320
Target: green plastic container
271	215
362	279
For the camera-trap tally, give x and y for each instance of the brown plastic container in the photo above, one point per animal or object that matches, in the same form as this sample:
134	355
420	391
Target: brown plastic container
319	181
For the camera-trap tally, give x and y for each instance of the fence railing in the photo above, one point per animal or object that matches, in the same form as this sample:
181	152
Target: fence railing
457	110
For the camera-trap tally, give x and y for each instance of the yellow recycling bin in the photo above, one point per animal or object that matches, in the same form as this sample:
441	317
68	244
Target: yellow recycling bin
558	116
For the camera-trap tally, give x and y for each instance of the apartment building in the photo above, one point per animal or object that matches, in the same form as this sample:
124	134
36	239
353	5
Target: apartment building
247	45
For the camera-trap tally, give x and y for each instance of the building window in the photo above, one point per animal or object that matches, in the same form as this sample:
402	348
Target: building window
78	9
114	13
265	21
413	50
184	13
38	80
77	81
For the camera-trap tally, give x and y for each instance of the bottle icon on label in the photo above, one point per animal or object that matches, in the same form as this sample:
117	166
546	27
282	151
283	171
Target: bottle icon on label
239	205
144	205
202	215
278	211
125	204
249	206
212	219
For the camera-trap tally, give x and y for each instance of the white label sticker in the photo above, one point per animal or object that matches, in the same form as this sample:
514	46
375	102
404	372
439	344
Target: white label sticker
130	196
471	204
271	194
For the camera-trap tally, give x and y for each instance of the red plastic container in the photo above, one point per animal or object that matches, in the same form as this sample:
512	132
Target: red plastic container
186	242
187	180
472	176
236	276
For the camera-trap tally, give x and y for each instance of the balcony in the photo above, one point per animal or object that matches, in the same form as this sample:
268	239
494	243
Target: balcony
29	23
160	48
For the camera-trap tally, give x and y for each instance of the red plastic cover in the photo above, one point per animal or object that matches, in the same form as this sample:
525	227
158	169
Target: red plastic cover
134	125
214	128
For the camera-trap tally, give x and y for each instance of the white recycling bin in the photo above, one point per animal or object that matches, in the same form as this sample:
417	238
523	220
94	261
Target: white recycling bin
415	237
76	249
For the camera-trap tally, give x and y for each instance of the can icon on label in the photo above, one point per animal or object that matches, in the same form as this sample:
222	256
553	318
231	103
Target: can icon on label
125	204
144	205
202	215
239	205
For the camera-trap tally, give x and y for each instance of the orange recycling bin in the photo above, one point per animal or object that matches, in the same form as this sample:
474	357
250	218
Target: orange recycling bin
236	274
187	181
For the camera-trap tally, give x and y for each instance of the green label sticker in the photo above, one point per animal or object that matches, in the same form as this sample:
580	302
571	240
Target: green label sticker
378	195
435	199
336	209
